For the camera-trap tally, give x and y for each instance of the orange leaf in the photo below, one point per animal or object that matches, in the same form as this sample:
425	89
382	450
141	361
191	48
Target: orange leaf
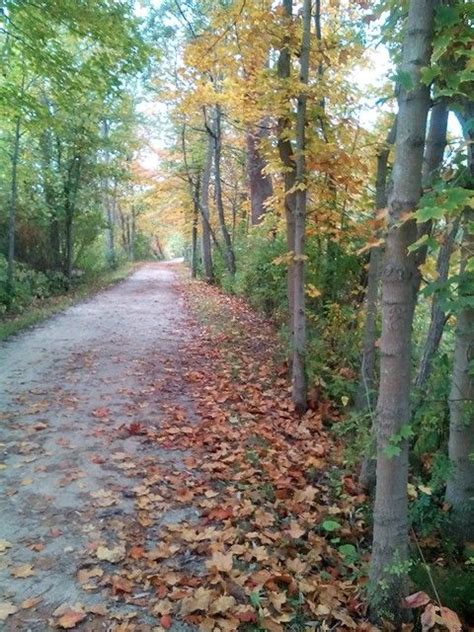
450	620
71	618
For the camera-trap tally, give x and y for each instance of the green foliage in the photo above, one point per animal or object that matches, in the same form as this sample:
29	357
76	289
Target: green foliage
443	202
258	277
454	585
330	525
393	448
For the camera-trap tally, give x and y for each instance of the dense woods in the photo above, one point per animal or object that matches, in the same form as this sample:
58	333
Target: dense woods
313	157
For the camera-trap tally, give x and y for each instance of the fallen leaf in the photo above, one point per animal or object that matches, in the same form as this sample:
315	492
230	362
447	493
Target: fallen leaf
429	618
101	413
114	555
222	604
345	619
295	530
22	571
84	575
98	608
6	609
4	545
221	562
416	600
121	585
30	603
198	601
450	620
71	618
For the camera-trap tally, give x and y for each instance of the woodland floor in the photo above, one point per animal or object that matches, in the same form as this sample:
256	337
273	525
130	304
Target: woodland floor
154	475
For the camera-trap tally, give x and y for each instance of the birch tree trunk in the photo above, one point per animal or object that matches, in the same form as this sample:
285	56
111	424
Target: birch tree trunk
460	487
260	185
299	316
388	572
10	286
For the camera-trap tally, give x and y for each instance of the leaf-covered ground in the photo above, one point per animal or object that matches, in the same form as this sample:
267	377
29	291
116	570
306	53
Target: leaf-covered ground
160	479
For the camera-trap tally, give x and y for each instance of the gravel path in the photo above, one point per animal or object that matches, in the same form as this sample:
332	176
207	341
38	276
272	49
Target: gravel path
69	389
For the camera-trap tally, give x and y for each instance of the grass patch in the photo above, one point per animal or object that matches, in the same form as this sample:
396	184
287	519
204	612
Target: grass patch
46	308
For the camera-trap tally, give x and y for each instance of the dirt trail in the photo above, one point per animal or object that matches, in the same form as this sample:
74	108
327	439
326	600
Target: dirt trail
73	392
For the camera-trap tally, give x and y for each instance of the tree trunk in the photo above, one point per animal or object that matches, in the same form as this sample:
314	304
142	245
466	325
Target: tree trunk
50	199
109	231
366	387
216	135
205	214
438	316
460	487
133	233
435	144
364	399
260	184
299	315
286	156
71	190
388	572
432	160
10	286
194	239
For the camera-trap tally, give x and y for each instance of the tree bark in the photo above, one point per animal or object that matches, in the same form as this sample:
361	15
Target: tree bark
460	487
109	231
50	198
388	572
216	134
366	387
286	156
364	399
10	286
205	214
71	191
260	184
435	144
299	343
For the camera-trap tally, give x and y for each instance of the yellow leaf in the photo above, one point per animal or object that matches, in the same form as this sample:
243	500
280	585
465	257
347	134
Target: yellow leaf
312	291
222	604
111	555
25	570
6	609
198	601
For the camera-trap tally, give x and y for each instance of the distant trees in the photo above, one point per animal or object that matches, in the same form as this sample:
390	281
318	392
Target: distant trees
64	71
